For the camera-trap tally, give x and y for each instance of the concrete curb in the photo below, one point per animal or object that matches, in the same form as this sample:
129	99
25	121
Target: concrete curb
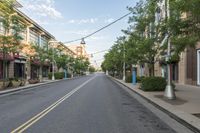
184	118
33	86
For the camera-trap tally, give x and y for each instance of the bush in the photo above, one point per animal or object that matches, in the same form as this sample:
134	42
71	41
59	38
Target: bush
139	79
58	75
153	84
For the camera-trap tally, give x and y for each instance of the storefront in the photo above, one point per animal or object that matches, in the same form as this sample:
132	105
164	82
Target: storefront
6	61
197	63
45	71
19	67
1	69
34	71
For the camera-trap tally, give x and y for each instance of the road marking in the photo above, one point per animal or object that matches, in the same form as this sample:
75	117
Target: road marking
37	117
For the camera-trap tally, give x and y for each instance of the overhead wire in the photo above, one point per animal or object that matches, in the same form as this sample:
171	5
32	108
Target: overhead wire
84	37
99	52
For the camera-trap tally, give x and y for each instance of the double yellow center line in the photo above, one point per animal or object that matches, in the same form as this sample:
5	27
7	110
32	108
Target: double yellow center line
37	117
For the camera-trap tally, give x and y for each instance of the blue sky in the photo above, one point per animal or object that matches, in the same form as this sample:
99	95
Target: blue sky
72	19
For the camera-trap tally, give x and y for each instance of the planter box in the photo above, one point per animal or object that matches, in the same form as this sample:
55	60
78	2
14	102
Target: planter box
23	83
33	81
6	84
16	83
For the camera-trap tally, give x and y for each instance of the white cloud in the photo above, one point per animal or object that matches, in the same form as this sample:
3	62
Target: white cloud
109	20
80	32
41	8
95	38
83	21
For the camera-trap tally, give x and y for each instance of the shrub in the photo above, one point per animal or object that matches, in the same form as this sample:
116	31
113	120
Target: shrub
153	84
59	75
139	79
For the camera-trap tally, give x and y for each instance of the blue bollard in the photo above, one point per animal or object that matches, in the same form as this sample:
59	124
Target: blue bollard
134	76
65	73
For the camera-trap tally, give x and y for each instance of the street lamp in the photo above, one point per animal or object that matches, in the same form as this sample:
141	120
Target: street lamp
53	60
124	65
169	90
83	41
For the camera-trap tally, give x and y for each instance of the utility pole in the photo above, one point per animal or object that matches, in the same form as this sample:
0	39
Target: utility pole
169	90
53	60
124	64
53	67
4	65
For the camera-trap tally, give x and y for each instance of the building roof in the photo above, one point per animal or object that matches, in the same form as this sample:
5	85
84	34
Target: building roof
34	23
68	48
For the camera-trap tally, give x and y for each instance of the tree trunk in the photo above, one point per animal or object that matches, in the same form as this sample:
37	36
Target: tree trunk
40	75
4	67
151	70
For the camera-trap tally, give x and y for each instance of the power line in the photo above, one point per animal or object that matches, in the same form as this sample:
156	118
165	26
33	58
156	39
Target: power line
100	29
99	52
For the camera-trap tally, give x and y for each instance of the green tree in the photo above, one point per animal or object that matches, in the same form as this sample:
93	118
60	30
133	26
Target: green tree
184	25
114	58
43	56
10	41
92	69
80	65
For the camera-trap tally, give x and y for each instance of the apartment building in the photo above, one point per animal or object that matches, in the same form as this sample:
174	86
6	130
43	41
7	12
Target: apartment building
23	64
79	50
184	71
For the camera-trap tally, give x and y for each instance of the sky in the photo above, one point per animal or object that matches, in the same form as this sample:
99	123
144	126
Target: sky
73	19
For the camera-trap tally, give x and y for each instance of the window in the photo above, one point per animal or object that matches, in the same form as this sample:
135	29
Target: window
19	70
23	34
34	37
44	43
2	30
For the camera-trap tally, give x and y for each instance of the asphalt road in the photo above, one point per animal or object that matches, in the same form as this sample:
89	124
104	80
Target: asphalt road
90	104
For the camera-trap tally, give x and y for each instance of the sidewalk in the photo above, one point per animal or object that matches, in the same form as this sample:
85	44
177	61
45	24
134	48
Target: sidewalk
182	109
27	86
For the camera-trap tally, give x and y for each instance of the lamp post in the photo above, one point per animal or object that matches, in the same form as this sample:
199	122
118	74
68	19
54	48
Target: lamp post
124	65
53	60
169	90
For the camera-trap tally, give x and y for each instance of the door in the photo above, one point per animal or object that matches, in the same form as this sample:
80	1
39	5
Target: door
198	67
